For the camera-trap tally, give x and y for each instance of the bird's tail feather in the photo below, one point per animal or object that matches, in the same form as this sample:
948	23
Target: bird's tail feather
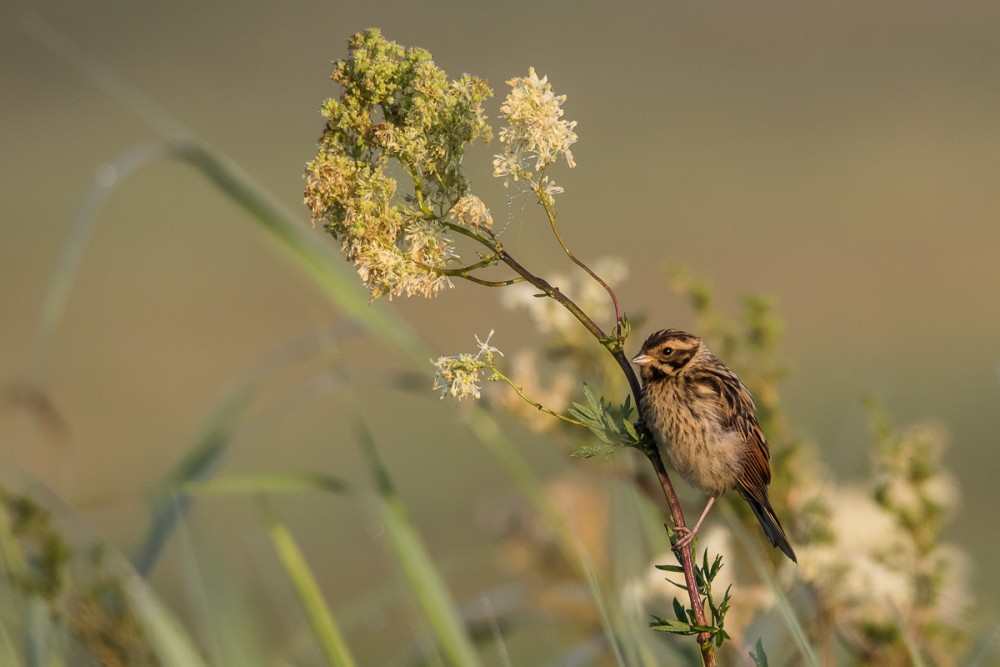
772	527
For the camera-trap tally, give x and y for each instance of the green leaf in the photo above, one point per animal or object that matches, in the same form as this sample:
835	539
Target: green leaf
612	427
758	656
594	451
679	611
672	626
669	568
679	627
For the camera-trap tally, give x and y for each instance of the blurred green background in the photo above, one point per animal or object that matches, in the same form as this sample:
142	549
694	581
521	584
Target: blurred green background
843	157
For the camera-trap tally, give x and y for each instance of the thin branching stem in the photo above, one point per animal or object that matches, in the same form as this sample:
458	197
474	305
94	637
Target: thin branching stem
418	192
493	283
535	404
613	345
551	215
490	241
466	273
459	272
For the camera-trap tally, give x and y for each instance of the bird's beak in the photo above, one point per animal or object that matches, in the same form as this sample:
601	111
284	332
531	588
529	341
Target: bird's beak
642	359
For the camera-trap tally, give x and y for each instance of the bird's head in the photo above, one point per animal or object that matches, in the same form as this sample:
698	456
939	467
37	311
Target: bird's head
666	353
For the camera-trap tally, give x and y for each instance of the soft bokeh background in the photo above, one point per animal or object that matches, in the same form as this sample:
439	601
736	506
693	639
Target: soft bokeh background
843	157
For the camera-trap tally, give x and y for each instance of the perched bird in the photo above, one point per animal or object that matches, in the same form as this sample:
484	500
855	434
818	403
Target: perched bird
704	419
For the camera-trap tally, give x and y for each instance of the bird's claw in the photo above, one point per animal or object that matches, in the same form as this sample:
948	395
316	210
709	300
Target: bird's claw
686	537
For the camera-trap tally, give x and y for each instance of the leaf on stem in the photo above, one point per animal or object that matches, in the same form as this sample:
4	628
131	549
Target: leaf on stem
613	427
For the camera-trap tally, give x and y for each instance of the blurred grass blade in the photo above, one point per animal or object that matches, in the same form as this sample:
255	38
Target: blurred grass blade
214	438
8	654
766	574
71	252
984	650
40	635
198	464
266	484
218	608
309	251
173	646
432	595
600	602
324	628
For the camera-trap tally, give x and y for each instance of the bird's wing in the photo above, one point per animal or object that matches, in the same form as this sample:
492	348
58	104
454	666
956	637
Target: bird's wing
737	412
757	467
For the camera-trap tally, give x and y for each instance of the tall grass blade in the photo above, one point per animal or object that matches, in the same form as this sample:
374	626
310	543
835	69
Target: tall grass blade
419	570
265	484
308	250
199	463
71	253
214	438
984	650
781	600
172	645
321	621
8	654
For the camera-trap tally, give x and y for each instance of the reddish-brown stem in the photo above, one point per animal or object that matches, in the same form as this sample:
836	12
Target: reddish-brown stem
652	453
551	214
687	562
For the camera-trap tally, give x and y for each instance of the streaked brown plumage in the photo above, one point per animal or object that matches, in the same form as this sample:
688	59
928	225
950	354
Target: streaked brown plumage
704	420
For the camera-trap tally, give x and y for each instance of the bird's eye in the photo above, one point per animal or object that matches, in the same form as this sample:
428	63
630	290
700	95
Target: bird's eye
667	351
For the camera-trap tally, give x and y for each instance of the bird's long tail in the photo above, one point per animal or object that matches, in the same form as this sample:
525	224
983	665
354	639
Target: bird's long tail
772	527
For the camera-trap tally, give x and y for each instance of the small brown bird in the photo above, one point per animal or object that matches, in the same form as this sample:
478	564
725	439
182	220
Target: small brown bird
705	420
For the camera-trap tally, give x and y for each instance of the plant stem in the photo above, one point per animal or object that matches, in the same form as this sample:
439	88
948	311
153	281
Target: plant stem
551	214
613	345
687	562
460	272
493	283
534	404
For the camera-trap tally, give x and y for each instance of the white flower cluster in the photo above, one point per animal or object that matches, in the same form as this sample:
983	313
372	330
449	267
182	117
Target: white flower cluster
458	376
470	211
536	134
883	561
